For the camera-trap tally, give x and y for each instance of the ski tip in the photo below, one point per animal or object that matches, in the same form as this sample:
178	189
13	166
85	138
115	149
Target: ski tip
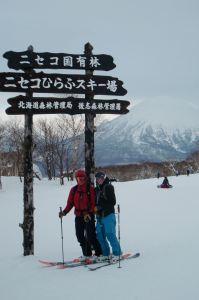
130	255
137	254
45	262
41	261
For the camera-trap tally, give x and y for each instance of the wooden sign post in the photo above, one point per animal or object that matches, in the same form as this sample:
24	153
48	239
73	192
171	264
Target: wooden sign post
89	85
28	220
89	129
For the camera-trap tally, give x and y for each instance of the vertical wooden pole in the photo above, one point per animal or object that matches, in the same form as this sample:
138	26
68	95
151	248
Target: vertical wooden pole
28	222
89	127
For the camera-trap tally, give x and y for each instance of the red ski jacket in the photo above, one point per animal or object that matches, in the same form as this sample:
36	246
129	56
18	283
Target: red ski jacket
78	198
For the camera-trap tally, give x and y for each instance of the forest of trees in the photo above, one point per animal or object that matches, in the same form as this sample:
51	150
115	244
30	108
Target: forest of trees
59	149
57	145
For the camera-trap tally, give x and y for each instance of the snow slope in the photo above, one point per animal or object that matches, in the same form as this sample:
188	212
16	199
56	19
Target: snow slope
161	224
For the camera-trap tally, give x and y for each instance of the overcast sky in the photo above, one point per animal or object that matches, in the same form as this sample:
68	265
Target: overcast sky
155	44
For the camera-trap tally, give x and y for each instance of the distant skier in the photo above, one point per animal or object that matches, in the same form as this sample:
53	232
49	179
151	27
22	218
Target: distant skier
188	172
84	203
165	183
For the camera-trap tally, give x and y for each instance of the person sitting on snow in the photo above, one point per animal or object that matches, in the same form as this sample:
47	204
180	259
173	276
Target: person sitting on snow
165	182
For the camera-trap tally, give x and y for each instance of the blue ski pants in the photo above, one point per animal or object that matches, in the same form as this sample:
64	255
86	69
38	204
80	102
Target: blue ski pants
106	234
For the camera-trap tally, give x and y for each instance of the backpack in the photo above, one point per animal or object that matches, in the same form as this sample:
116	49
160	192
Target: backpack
74	190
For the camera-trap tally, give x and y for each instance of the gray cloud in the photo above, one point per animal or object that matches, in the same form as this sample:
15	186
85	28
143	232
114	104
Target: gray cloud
155	44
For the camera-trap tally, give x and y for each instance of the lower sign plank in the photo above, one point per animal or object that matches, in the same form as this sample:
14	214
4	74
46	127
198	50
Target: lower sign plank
39	105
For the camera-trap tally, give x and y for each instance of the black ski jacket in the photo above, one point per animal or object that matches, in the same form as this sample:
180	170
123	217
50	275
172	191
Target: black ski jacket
105	198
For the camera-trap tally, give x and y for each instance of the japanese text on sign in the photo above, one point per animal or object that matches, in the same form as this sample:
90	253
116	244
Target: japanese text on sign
65	61
70	105
46	60
60	83
69	84
28	105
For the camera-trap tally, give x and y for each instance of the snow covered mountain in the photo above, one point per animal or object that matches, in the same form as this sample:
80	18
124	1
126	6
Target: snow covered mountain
155	130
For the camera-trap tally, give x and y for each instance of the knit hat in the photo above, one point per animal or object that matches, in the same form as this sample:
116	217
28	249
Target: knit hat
80	173
100	175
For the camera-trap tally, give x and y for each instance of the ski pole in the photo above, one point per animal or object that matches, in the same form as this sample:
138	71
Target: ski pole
62	237
118	216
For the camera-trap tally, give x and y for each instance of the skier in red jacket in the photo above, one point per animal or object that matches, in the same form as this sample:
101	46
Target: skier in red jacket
84	203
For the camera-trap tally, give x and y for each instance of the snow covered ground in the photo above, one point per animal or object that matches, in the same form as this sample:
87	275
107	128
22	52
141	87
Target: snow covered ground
161	224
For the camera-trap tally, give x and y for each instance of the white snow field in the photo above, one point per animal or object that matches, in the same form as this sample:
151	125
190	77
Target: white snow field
161	224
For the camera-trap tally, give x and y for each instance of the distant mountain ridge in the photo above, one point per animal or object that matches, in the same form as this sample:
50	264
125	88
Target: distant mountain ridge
153	131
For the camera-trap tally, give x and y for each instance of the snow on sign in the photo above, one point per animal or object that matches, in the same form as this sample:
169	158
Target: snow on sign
38	105
61	83
46	60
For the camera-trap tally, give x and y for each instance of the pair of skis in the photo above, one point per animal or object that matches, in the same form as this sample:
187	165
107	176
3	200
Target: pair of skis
88	263
123	257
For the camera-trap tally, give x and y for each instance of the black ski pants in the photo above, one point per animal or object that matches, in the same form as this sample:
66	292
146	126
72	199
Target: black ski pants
86	236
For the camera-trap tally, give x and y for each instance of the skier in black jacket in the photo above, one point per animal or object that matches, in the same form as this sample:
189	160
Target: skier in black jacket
106	221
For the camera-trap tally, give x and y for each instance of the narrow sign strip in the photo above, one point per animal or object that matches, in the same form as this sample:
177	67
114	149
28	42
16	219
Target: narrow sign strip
47	60
40	105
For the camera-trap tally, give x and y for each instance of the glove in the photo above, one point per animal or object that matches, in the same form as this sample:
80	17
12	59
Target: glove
87	218
61	214
97	210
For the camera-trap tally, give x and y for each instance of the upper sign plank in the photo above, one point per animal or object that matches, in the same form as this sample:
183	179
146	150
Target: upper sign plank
46	60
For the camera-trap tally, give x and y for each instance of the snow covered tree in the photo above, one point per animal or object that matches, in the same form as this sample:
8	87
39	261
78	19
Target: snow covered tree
45	145
2	134
56	140
15	132
68	132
